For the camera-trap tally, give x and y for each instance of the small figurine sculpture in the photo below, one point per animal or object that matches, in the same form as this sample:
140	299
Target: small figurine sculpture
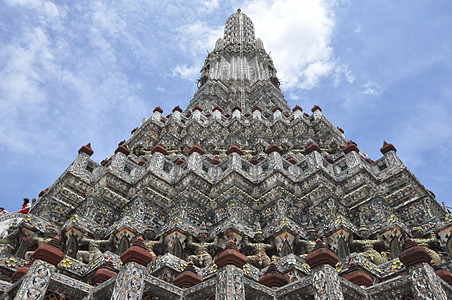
306	246
369	252
259	258
9	242
367	245
201	258
93	248
418	232
150	242
35	240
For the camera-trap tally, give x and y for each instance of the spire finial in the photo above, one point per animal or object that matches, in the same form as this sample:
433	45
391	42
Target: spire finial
239	10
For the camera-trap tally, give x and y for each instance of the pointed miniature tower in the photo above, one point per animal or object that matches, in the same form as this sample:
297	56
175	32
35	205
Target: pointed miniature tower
239	60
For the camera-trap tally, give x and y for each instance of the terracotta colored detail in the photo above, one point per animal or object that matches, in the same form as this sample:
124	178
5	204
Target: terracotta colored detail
273	148
234	148
160	149
351	146
180	161
50	252
445	275
297	108
311	148
196	148
137	253
20	272
141	162
413	254
273	278
276	108
370	161
215	161
104	273
217	108
86	149
321	255
188	278
105	161
387	147
177	108
230	256
292	160
306	115
236	108
158	109
123	149
356	275
329	159
256	108
316	107
340	129
254	160
43	192
196	108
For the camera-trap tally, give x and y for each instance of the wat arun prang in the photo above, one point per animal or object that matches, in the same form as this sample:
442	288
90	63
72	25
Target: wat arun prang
238	197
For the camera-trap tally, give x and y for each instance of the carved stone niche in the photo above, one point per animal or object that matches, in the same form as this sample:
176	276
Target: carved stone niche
445	237
284	242
338	242
175	240
123	239
231	235
73	236
393	239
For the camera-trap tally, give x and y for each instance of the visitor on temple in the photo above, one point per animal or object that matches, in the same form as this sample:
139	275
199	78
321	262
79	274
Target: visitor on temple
26	206
2	211
33	202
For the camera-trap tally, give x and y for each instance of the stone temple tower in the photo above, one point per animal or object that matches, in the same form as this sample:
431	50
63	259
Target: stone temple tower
237	197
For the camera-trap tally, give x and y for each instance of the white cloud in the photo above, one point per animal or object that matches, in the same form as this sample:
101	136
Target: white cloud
358	29
198	37
185	72
372	88
342	71
44	7
209	5
298	34
418	142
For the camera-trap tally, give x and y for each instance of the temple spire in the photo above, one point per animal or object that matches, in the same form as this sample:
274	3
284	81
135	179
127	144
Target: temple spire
239	72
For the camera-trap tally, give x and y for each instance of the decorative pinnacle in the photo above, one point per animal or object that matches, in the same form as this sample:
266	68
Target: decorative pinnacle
319	244
190	268
272	268
140	243
55	242
409	243
231	245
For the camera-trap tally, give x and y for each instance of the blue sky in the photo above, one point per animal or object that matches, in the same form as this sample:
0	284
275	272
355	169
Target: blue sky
73	72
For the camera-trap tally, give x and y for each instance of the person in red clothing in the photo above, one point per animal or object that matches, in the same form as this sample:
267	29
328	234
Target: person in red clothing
26	206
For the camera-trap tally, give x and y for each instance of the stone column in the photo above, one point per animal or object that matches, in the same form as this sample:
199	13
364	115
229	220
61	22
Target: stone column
426	284
275	157
195	158
35	282
230	284
230	274
129	284
82	159
324	276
